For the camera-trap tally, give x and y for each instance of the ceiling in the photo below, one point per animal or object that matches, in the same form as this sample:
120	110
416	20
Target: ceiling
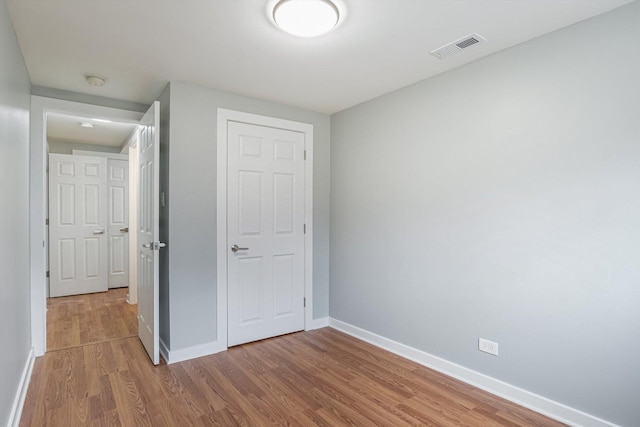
62	127
232	45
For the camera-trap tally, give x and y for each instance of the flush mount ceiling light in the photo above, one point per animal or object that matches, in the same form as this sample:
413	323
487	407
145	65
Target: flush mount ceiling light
306	18
95	80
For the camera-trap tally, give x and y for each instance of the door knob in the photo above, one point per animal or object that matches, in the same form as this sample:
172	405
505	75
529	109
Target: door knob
235	248
154	245
101	231
125	230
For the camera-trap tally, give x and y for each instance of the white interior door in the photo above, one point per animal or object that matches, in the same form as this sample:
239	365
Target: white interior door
118	219
265	232
148	234
77	224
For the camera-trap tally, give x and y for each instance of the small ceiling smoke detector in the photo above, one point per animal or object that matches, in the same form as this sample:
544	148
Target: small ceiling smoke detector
306	18
95	80
457	46
86	125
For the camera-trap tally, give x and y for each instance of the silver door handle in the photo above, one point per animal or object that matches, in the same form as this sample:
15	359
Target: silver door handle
235	248
125	230
154	245
101	231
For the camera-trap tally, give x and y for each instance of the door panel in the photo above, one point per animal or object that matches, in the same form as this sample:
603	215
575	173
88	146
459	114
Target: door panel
67	257
77	218
250	286
92	257
148	232
265	216
284	282
118	223
92	205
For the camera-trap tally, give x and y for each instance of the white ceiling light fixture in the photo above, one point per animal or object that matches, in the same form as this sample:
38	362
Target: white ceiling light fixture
86	125
306	18
95	80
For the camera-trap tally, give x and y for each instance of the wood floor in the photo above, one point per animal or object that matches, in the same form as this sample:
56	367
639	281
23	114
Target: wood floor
83	319
318	378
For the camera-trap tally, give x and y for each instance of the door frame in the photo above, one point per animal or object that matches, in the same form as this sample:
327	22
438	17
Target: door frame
225	116
38	250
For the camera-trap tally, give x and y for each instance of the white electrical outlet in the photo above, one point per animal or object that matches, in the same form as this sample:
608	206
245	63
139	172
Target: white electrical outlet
488	346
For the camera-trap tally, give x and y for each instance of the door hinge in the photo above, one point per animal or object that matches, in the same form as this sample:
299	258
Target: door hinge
46	221
47	274
304	229
305	154
304	303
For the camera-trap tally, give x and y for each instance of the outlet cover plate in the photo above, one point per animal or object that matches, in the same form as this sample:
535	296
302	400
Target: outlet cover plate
488	346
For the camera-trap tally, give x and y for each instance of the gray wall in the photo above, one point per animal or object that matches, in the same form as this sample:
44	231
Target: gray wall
15	320
501	200
191	197
66	147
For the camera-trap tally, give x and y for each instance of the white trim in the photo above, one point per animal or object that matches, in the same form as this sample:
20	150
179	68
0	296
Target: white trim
322	322
225	116
535	402
116	156
40	106
132	154
200	350
21	392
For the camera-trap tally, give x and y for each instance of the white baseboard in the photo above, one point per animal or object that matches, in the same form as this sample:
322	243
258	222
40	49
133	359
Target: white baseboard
21	392
322	322
543	405
175	356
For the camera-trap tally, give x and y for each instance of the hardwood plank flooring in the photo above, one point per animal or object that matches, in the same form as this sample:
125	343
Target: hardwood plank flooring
317	378
90	318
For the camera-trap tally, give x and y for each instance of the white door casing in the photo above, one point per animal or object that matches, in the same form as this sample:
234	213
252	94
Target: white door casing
148	231
77	224
118	220
133	219
38	205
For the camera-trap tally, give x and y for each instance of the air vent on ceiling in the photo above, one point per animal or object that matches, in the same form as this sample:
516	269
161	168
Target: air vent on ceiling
456	46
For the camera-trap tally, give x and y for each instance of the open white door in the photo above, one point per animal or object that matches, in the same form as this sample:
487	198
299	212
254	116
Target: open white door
148	232
78	221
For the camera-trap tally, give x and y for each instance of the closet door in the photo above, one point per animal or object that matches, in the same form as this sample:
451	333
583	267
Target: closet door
77	224
118	220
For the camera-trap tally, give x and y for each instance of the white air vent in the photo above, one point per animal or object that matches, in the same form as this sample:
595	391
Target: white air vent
456	46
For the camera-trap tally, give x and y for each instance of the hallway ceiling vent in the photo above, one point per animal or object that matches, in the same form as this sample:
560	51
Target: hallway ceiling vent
458	45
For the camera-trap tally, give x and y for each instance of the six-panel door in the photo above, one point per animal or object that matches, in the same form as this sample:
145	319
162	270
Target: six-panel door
118	218
77	224
266	222
148	232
